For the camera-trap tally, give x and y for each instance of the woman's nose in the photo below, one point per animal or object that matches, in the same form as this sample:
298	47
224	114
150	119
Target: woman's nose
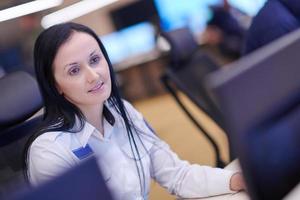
92	75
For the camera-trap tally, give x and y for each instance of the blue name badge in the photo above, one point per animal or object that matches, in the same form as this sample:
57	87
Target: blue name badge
83	152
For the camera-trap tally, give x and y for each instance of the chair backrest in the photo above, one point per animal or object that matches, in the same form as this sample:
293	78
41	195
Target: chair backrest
20	100
186	72
84	181
188	68
260	98
189	79
183	45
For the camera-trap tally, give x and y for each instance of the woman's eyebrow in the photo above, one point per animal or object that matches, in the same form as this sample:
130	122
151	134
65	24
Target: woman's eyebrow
75	63
70	64
94	52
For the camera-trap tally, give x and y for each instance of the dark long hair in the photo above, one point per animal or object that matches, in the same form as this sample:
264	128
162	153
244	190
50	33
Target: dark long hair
59	113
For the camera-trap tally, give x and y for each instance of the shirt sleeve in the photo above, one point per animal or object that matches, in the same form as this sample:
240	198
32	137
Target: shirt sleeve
46	160
187	180
178	176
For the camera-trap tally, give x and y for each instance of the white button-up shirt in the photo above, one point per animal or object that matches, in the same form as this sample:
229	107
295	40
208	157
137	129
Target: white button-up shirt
54	152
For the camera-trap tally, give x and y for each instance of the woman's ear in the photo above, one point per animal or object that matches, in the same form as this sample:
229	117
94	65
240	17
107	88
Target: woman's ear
59	89
60	92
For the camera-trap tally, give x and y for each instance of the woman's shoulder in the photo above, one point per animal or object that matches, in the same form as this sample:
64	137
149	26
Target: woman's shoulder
48	157
53	146
132	111
50	140
50	136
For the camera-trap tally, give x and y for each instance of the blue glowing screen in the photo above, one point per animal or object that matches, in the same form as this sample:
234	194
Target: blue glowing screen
131	41
196	13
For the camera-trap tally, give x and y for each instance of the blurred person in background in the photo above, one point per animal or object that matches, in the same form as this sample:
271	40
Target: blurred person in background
17	40
275	19
225	31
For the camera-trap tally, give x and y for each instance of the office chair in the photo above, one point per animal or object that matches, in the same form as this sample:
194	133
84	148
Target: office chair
187	69
20	100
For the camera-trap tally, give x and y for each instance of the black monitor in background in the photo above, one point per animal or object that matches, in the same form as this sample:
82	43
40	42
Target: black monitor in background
81	182
134	13
259	96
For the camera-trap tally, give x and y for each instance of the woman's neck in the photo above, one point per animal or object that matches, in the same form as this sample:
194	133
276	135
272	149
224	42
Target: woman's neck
94	116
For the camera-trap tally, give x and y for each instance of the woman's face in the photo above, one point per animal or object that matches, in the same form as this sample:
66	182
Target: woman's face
81	72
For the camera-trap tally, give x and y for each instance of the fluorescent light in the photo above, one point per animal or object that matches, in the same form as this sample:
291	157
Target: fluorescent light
27	8
73	11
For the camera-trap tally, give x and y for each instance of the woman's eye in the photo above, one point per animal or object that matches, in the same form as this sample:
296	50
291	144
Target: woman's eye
74	71
94	60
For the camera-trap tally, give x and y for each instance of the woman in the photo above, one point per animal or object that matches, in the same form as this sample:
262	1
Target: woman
85	116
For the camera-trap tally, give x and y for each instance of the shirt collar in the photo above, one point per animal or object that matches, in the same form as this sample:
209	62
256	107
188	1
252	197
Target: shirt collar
89	129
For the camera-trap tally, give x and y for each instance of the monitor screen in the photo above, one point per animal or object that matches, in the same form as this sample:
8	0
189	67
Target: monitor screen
134	13
192	13
83	181
129	42
196	13
259	96
248	7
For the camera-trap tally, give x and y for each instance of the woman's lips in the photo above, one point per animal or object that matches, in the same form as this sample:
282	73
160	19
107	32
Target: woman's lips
97	87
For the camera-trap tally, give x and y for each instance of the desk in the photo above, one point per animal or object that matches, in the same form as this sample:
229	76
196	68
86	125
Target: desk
236	196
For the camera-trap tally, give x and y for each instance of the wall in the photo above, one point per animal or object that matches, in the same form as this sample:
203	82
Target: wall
99	20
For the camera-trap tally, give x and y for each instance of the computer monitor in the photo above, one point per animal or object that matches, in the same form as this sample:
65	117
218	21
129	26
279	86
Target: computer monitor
259	96
81	182
134	13
193	14
129	42
248	7
196	13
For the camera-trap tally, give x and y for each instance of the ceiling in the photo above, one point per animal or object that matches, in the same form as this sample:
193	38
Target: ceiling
7	3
